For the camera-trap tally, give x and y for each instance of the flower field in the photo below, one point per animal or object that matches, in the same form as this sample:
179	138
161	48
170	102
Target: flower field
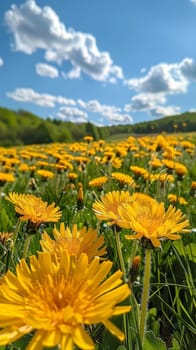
98	246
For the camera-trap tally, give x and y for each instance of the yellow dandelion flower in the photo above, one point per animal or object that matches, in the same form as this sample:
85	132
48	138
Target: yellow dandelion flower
148	219
173	198
76	241
56	298
123	178
116	162
32	208
23	167
155	163
98	181
164	178
45	174
64	164
6	177
107	207
138	171
193	185
88	138
72	176
177	167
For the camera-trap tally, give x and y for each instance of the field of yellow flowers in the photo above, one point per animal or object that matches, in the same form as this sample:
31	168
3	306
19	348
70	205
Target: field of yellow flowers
97	245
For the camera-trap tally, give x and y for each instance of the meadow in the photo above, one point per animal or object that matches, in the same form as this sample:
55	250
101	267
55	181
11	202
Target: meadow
97	243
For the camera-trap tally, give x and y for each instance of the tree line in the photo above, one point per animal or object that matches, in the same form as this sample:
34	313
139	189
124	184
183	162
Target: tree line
23	128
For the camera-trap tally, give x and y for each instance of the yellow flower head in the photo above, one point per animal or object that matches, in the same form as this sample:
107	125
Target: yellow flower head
173	198
138	171
107	207
45	174
56	298
123	178
6	177
148	219
98	181
88	138
193	185
72	176
32	208
76	241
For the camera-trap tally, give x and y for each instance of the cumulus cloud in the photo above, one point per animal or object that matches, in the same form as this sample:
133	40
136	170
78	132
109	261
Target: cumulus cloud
160	81
143	102
153	104
36	28
46	70
97	107
160	111
188	68
111	113
72	114
1	62
43	100
120	118
162	78
73	73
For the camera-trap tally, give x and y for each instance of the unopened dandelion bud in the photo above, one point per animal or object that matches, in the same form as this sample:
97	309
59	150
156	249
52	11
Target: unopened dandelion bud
134	269
80	197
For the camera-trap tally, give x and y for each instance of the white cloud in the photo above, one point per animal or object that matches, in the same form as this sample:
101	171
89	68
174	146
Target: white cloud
36	28
160	81
43	100
46	70
153	104
193	1
81	103
142	102
73	73
112	113
188	68
97	107
1	62
72	114
162	78
161	111
120	118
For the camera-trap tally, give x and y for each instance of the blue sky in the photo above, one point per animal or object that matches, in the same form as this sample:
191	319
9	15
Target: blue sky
106	61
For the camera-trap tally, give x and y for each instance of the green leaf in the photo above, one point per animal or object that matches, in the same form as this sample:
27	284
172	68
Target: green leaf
153	343
4	219
190	250
121	347
175	345
179	246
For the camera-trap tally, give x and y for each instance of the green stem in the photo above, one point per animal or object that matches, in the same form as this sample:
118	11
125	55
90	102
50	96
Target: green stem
15	235
14	239
119	251
122	267
8	259
145	293
133	252
26	246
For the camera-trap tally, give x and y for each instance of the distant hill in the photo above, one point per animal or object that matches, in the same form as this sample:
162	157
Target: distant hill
22	127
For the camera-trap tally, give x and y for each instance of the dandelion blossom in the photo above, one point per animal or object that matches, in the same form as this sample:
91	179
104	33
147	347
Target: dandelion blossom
32	208
76	241
107	207
149	219
56	298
